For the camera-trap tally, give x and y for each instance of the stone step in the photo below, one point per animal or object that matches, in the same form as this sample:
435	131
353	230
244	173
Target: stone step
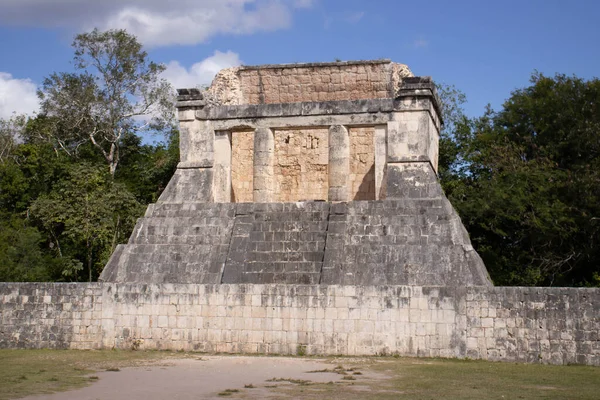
168	263
408	241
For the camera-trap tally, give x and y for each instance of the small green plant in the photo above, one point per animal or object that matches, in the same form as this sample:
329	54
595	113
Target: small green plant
290	380
301	350
136	344
228	392
113	369
249	386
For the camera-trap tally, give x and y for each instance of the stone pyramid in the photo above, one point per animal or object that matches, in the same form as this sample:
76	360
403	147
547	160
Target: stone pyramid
321	173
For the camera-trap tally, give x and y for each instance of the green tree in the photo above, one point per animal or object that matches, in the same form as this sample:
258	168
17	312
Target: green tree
21	257
453	135
528	184
87	215
147	169
10	131
115	91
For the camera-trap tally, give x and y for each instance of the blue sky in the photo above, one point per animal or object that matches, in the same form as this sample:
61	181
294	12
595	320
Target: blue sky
486	49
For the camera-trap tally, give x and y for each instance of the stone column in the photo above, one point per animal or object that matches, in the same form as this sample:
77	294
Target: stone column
196	144
193	179
222	168
264	159
380	161
412	142
339	163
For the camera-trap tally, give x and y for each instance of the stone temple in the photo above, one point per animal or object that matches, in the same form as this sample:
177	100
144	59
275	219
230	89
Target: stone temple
305	217
321	173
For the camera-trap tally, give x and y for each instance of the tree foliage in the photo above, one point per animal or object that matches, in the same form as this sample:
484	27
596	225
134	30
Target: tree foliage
90	211
62	211
115	91
526	182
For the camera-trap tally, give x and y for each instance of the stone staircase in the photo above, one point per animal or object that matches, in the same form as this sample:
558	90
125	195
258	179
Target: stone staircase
416	241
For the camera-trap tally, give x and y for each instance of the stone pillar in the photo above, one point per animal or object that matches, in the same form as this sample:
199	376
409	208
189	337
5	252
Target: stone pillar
409	170
222	168
412	142
408	137
380	161
339	163
196	144
264	159
193	179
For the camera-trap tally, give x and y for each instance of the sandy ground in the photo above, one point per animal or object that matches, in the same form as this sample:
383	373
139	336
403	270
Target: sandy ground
197	378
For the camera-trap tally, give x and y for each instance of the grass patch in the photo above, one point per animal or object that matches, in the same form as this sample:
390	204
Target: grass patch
437	378
228	392
28	372
301	382
420	379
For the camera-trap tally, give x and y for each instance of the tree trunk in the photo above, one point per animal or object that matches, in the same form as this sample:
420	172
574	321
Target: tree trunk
89	259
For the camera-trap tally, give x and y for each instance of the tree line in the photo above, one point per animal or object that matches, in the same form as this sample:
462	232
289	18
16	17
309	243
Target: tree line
75	177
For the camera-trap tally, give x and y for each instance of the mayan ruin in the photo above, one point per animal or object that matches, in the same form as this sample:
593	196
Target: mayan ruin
306	213
305	174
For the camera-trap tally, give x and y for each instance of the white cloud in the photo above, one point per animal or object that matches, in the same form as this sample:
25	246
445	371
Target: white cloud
304	3
201	73
156	22
420	43
17	96
354	17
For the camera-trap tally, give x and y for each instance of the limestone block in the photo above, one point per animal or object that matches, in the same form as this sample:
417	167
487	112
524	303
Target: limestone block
264	150
339	163
408	136
189	185
196	143
222	167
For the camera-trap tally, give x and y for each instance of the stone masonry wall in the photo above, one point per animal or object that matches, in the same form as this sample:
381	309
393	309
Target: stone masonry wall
242	156
362	163
533	324
301	158
541	325
51	315
320	82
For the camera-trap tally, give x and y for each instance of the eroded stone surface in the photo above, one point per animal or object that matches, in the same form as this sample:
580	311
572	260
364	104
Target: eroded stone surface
539	325
291	83
291	137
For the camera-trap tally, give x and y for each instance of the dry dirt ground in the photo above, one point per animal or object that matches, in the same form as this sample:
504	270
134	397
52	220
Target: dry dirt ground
218	377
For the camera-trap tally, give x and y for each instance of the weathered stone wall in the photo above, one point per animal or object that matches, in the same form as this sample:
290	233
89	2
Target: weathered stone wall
301	158
540	325
362	163
418	240
242	161
533	324
322	82
51	315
